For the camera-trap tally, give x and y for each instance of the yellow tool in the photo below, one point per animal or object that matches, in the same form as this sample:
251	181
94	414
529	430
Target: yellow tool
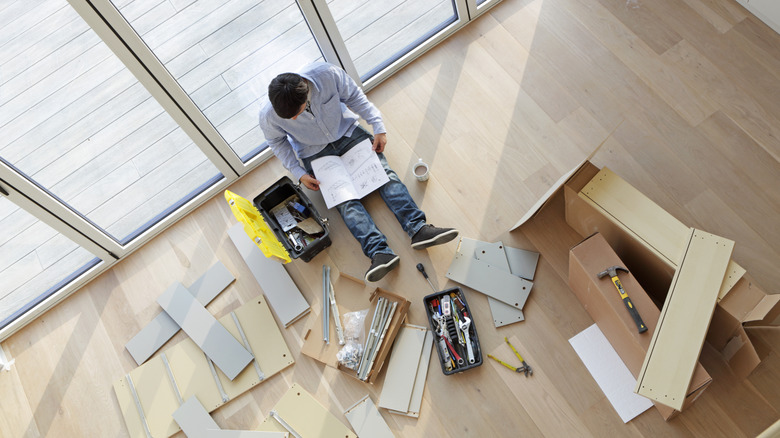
525	368
612	271
256	228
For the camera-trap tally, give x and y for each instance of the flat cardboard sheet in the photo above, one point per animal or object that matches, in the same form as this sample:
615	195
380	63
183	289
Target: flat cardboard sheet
193	376
283	295
609	372
307	416
223	349
162	328
366	419
685	318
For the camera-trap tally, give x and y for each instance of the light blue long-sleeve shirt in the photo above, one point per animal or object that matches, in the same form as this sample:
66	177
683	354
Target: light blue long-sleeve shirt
333	95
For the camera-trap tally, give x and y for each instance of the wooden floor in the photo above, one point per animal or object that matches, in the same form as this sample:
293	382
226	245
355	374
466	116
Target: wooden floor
499	111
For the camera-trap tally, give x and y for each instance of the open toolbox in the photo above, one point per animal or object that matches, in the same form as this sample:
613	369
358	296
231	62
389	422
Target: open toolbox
455	334
293	219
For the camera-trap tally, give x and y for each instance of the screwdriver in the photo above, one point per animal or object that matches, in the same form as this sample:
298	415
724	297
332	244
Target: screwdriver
421	268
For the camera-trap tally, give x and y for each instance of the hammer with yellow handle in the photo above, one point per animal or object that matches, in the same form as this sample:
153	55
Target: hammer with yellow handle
612	271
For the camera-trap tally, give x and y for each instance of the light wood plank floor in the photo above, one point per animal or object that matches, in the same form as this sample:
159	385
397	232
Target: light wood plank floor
499	111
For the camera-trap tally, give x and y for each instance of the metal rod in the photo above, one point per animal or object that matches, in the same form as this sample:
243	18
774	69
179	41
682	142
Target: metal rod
325	303
173	380
222	392
334	309
138	405
260	373
382	336
284	424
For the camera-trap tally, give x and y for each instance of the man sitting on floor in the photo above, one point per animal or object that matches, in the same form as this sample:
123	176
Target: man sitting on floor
309	115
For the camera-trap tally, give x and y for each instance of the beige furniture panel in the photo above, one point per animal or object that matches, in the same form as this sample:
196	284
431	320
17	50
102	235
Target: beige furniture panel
635	213
307	416
193	376
685	318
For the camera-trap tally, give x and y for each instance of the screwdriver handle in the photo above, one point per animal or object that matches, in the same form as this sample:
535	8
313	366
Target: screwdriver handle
421	268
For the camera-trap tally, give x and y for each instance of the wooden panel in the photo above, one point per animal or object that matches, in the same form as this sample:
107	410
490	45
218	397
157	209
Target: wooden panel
193	375
307	416
685	317
366	419
211	336
402	368
654	227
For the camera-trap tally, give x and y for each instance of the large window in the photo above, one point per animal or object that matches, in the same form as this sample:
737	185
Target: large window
118	117
224	54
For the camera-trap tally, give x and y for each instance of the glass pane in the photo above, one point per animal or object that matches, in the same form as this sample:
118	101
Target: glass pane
77	123
224	54
379	33
35	261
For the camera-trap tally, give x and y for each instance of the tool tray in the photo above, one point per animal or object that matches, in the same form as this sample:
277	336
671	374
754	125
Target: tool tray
273	203
460	349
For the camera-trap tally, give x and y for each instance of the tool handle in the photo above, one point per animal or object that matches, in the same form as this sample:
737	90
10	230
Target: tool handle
640	325
421	268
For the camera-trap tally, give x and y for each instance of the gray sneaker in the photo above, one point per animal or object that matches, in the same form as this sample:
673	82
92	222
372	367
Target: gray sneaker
429	236
381	264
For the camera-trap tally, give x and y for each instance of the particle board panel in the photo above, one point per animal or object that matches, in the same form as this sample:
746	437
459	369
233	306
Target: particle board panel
223	349
282	294
193	376
636	214
306	415
494	254
487	279
366	419
402	368
193	419
685	317
162	328
415	403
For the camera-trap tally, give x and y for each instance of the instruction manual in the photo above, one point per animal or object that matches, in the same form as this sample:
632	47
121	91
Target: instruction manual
351	176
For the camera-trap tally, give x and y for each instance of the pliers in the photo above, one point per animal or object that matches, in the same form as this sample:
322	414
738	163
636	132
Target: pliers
525	368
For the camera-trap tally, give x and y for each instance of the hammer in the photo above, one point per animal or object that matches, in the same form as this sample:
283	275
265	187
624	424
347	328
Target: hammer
612	271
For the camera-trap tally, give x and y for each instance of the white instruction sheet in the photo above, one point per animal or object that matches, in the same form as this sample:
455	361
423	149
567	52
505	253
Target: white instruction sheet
351	176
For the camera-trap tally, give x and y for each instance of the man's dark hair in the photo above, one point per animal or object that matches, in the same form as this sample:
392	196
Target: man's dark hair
287	93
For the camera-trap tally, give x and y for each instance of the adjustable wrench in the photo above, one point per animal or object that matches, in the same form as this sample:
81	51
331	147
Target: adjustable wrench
465	323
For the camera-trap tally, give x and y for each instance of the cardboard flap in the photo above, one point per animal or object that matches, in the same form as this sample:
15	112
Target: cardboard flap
767	311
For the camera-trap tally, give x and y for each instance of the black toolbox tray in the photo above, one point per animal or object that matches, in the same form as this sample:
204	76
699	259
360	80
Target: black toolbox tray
274	195
472	332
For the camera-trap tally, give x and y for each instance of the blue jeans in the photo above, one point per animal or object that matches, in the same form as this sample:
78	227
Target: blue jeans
394	192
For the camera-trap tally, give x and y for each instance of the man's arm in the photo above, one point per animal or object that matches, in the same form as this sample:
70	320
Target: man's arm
281	147
356	100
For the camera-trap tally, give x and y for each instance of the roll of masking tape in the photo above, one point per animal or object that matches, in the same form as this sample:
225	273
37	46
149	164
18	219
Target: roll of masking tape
420	170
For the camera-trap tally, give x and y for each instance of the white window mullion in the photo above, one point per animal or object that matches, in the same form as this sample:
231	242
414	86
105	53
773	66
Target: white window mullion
117	33
57	215
323	26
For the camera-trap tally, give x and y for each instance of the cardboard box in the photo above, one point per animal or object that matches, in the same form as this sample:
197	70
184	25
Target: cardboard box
353	295
644	248
603	303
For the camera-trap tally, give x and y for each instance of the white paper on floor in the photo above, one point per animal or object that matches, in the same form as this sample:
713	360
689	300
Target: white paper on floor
610	373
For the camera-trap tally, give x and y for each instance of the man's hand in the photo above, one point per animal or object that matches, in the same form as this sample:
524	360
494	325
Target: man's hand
310	182
380	140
